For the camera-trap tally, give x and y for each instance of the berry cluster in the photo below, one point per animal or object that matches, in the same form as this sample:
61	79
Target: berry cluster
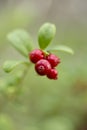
45	63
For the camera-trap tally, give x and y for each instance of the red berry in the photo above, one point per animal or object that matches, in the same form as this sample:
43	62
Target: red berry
52	74
36	55
54	60
42	67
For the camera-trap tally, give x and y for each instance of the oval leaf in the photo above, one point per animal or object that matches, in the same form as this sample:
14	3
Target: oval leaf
10	65
46	34
21	40
62	48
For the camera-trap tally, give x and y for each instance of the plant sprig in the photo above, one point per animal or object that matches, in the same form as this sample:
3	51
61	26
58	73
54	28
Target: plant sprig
23	43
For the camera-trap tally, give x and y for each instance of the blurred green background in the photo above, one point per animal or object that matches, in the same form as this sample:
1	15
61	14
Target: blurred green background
45	104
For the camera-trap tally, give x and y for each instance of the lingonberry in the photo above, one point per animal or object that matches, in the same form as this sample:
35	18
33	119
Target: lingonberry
36	55
42	67
52	74
54	60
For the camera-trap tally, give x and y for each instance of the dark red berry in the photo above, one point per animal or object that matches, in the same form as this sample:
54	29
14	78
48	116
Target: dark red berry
53	74
42	67
36	55
54	60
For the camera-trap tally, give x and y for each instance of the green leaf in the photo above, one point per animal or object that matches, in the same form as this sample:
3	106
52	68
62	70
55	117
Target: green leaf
46	34
62	48
10	65
21	40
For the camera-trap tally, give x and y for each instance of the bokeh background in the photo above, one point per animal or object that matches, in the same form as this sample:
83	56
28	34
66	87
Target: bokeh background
45	104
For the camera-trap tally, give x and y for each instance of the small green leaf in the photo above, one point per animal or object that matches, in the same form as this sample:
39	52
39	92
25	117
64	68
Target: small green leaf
62	48
46	34
21	40
10	65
